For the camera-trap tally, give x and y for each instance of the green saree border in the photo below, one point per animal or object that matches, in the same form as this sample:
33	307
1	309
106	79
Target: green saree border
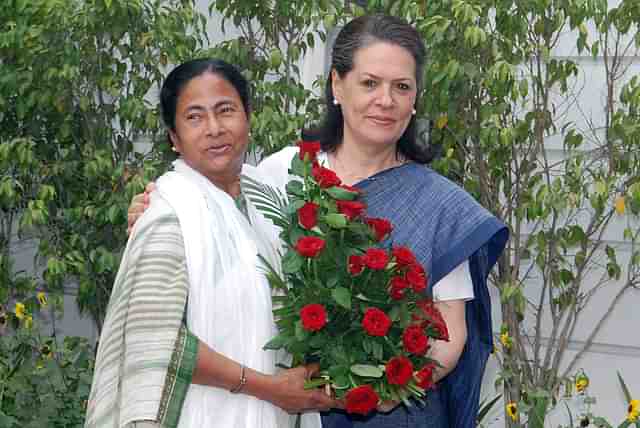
179	376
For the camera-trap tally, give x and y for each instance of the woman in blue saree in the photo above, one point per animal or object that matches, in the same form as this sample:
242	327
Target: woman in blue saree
368	137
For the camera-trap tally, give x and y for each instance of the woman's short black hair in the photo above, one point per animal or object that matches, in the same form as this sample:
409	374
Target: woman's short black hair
180	76
357	34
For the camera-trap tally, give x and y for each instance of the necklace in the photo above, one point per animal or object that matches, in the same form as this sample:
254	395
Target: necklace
349	177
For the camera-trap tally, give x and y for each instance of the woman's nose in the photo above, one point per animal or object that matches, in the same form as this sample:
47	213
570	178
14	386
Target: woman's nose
214	127
385	97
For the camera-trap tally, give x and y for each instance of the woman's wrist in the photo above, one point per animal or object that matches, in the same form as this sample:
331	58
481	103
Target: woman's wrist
259	385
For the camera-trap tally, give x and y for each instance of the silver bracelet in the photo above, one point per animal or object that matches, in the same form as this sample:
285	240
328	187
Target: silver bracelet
243	381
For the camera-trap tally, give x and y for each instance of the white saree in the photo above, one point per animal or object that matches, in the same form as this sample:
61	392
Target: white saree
229	300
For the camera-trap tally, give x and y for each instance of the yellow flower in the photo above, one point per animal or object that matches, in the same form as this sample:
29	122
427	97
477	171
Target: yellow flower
42	298
634	410
582	383
620	205
442	121
512	410
20	310
505	340
28	321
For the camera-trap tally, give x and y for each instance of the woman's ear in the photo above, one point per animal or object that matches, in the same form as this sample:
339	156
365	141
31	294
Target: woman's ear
336	86
173	137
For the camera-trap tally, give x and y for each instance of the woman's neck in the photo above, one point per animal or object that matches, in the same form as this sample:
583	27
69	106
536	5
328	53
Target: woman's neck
353	163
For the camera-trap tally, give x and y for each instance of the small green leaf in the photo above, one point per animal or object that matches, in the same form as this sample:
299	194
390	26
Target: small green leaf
276	343
301	333
366	370
336	221
625	390
341	194
297	166
342	296
295	188
291	262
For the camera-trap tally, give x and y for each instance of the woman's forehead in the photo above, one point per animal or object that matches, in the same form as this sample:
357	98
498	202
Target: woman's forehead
385	59
208	88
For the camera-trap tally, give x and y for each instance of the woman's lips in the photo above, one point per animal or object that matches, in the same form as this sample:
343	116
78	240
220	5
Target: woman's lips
218	150
382	120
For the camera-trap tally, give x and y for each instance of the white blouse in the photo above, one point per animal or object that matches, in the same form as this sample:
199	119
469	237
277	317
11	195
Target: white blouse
455	285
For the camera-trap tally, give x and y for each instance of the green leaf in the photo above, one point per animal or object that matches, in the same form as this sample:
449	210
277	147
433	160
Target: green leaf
366	370
295	188
276	343
342	296
625	390
336	221
341	194
301	333
292	262
297	166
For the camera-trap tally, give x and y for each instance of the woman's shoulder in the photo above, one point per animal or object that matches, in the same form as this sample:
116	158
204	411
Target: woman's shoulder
160	217
438	189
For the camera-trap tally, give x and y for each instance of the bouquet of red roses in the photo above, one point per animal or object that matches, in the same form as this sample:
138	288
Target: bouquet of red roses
356	308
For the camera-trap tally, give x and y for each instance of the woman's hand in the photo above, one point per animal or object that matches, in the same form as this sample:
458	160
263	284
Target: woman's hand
139	203
387	406
289	394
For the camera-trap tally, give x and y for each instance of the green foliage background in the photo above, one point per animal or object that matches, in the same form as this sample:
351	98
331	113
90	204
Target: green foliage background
78	97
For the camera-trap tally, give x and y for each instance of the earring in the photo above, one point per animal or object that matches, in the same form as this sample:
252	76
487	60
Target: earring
335	102
173	149
413	112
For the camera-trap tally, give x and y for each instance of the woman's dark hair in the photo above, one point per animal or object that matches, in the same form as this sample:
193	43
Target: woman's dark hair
357	34
180	76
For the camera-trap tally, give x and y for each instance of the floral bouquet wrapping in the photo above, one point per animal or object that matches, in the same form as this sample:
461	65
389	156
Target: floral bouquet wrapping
357	309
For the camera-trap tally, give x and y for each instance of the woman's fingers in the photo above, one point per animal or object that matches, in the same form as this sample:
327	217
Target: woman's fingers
312	370
139	203
387	406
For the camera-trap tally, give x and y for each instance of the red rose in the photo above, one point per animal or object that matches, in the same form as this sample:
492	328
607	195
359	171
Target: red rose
381	227
309	246
356	264
309	150
403	255
351	209
414	340
399	370
417	278
325	177
313	316
425	376
361	399
431	318
376	322
376	259
308	215
397	287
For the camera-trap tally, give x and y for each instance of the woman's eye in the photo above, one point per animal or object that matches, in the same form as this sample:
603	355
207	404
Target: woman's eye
192	117
369	83
404	86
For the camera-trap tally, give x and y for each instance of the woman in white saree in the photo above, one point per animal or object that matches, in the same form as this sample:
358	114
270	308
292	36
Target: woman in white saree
190	309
